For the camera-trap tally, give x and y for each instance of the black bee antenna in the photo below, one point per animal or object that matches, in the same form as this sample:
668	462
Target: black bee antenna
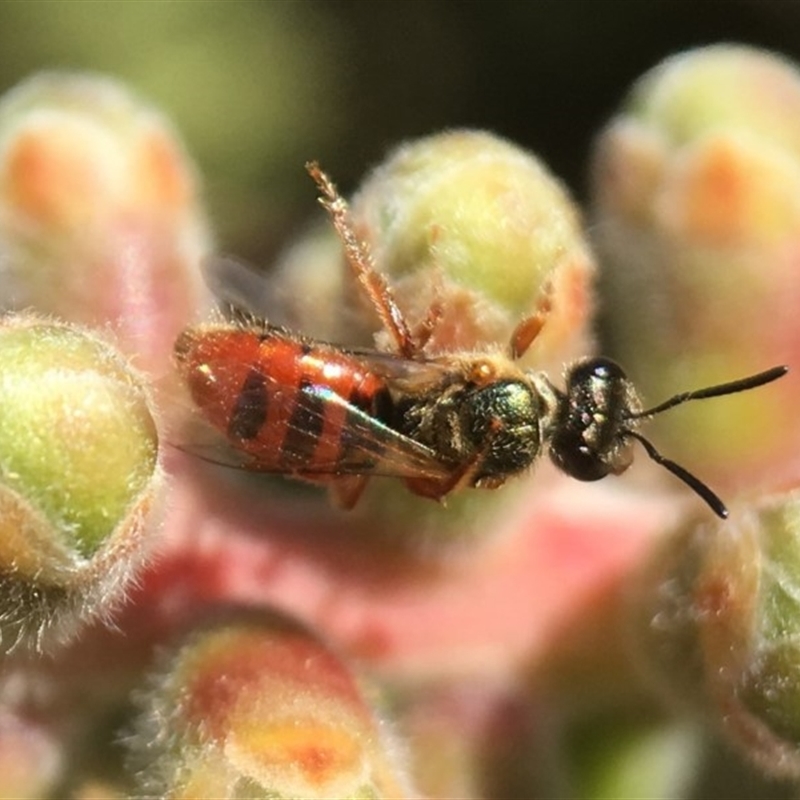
693	482
741	385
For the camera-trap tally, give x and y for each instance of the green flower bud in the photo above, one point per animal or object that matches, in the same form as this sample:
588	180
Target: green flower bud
466	220
78	476
716	622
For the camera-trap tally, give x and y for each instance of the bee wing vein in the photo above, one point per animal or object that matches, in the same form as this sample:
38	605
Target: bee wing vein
368	444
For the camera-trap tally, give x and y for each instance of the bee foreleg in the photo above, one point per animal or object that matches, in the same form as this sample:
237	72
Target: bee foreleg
427	326
530	327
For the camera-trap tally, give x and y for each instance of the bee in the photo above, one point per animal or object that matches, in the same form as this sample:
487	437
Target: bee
304	408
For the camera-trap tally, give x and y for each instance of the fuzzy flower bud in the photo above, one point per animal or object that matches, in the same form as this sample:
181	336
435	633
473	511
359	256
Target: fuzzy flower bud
696	186
78	477
260	708
99	216
716	622
470	222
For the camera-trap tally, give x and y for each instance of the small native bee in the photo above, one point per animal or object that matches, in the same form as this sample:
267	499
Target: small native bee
292	405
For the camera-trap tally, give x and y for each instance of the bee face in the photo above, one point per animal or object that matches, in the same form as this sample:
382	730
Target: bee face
589	435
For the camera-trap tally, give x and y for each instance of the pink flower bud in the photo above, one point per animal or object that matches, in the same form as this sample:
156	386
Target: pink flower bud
696	185
261	707
99	215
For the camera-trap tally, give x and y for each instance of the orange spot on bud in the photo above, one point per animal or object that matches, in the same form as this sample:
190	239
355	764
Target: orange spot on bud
163	178
321	753
240	663
49	176
717	196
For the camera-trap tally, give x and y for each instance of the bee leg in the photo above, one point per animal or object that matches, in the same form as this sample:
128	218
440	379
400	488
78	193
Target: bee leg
361	262
530	327
346	490
462	477
437	489
427	326
433	489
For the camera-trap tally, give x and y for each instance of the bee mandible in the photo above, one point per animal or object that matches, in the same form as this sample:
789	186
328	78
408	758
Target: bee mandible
312	410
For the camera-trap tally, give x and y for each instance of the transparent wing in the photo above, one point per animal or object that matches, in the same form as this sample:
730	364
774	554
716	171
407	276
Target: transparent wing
369	445
238	286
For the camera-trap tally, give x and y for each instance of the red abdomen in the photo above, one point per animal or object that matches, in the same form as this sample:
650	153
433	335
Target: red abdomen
261	389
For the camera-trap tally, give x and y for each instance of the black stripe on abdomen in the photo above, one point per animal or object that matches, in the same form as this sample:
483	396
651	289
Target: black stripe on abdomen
250	410
304	427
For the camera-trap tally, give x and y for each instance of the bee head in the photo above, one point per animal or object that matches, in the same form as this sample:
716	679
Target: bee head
590	433
596	421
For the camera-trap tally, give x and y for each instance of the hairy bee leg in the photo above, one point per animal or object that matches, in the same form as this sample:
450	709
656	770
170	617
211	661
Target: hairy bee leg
427	326
347	490
360	260
530	327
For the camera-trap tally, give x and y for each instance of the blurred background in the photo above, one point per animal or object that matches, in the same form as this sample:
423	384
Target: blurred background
258	87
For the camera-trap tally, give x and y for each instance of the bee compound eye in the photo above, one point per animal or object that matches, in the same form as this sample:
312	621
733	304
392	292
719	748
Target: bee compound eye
595	371
569	453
